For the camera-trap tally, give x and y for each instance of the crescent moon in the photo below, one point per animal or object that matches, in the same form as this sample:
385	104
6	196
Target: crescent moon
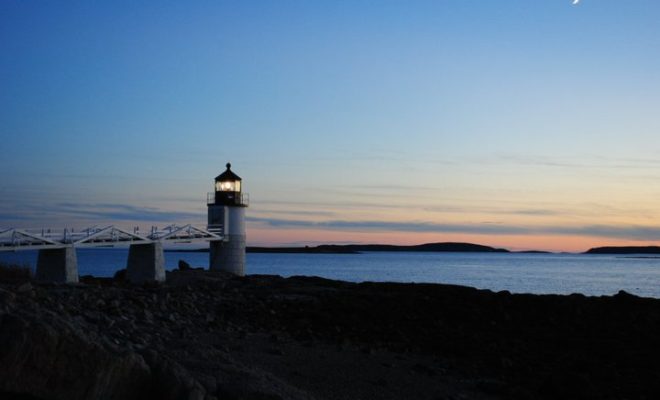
575	2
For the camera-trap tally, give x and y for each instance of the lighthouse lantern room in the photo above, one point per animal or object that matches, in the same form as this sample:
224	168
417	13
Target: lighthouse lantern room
228	188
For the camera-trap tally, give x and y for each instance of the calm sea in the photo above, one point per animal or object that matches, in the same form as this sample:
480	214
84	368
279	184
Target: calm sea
518	273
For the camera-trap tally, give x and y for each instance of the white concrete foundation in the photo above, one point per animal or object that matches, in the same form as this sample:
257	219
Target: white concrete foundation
228	256
146	263
57	265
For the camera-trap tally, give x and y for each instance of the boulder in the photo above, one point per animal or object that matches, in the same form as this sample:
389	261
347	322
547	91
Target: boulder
184	266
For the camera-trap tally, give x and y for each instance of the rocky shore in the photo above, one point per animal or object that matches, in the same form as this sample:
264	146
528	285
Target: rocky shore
206	335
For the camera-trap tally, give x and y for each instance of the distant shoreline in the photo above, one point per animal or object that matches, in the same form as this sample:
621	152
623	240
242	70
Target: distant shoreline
359	248
441	247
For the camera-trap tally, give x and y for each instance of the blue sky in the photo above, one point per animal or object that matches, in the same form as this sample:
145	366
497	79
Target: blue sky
518	123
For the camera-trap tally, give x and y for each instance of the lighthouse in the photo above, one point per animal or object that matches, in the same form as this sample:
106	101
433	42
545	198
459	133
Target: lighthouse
226	215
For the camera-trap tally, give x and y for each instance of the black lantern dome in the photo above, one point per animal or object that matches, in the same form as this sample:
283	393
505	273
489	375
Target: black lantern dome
228	188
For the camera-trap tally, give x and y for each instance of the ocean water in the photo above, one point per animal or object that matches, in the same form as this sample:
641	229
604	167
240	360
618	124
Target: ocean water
517	273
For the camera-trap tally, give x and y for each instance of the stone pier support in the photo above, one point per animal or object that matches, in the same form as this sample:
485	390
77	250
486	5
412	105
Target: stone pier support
57	265
146	263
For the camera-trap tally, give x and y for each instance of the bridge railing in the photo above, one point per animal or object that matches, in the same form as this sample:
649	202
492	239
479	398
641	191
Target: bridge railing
23	239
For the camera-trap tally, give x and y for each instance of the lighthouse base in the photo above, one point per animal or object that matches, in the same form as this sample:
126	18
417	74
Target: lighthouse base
229	255
146	263
57	265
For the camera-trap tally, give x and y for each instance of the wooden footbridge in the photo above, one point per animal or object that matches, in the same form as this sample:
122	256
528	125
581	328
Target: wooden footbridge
57	261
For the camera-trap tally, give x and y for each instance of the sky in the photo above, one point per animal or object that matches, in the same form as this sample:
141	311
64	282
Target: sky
524	124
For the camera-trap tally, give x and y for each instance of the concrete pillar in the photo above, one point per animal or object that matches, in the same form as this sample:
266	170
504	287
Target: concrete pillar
146	263
57	265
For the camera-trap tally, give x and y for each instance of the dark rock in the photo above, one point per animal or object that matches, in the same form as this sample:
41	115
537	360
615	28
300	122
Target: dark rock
172	381
506	362
184	266
491	386
275	351
43	360
148	316
622	295
206	335
25	288
423	369
209	383
6	296
120	276
14	273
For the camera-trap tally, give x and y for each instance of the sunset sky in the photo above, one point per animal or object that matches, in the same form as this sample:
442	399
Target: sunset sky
525	124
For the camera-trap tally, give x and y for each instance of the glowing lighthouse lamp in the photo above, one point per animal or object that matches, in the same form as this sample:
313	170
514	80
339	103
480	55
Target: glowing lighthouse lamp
226	215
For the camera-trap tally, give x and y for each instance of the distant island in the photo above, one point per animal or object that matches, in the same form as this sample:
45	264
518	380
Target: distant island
358	248
624	250
426	247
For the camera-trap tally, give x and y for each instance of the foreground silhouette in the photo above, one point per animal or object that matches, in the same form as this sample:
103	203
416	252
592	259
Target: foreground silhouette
210	336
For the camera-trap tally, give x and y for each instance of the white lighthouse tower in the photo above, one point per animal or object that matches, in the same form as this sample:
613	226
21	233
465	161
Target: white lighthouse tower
227	215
